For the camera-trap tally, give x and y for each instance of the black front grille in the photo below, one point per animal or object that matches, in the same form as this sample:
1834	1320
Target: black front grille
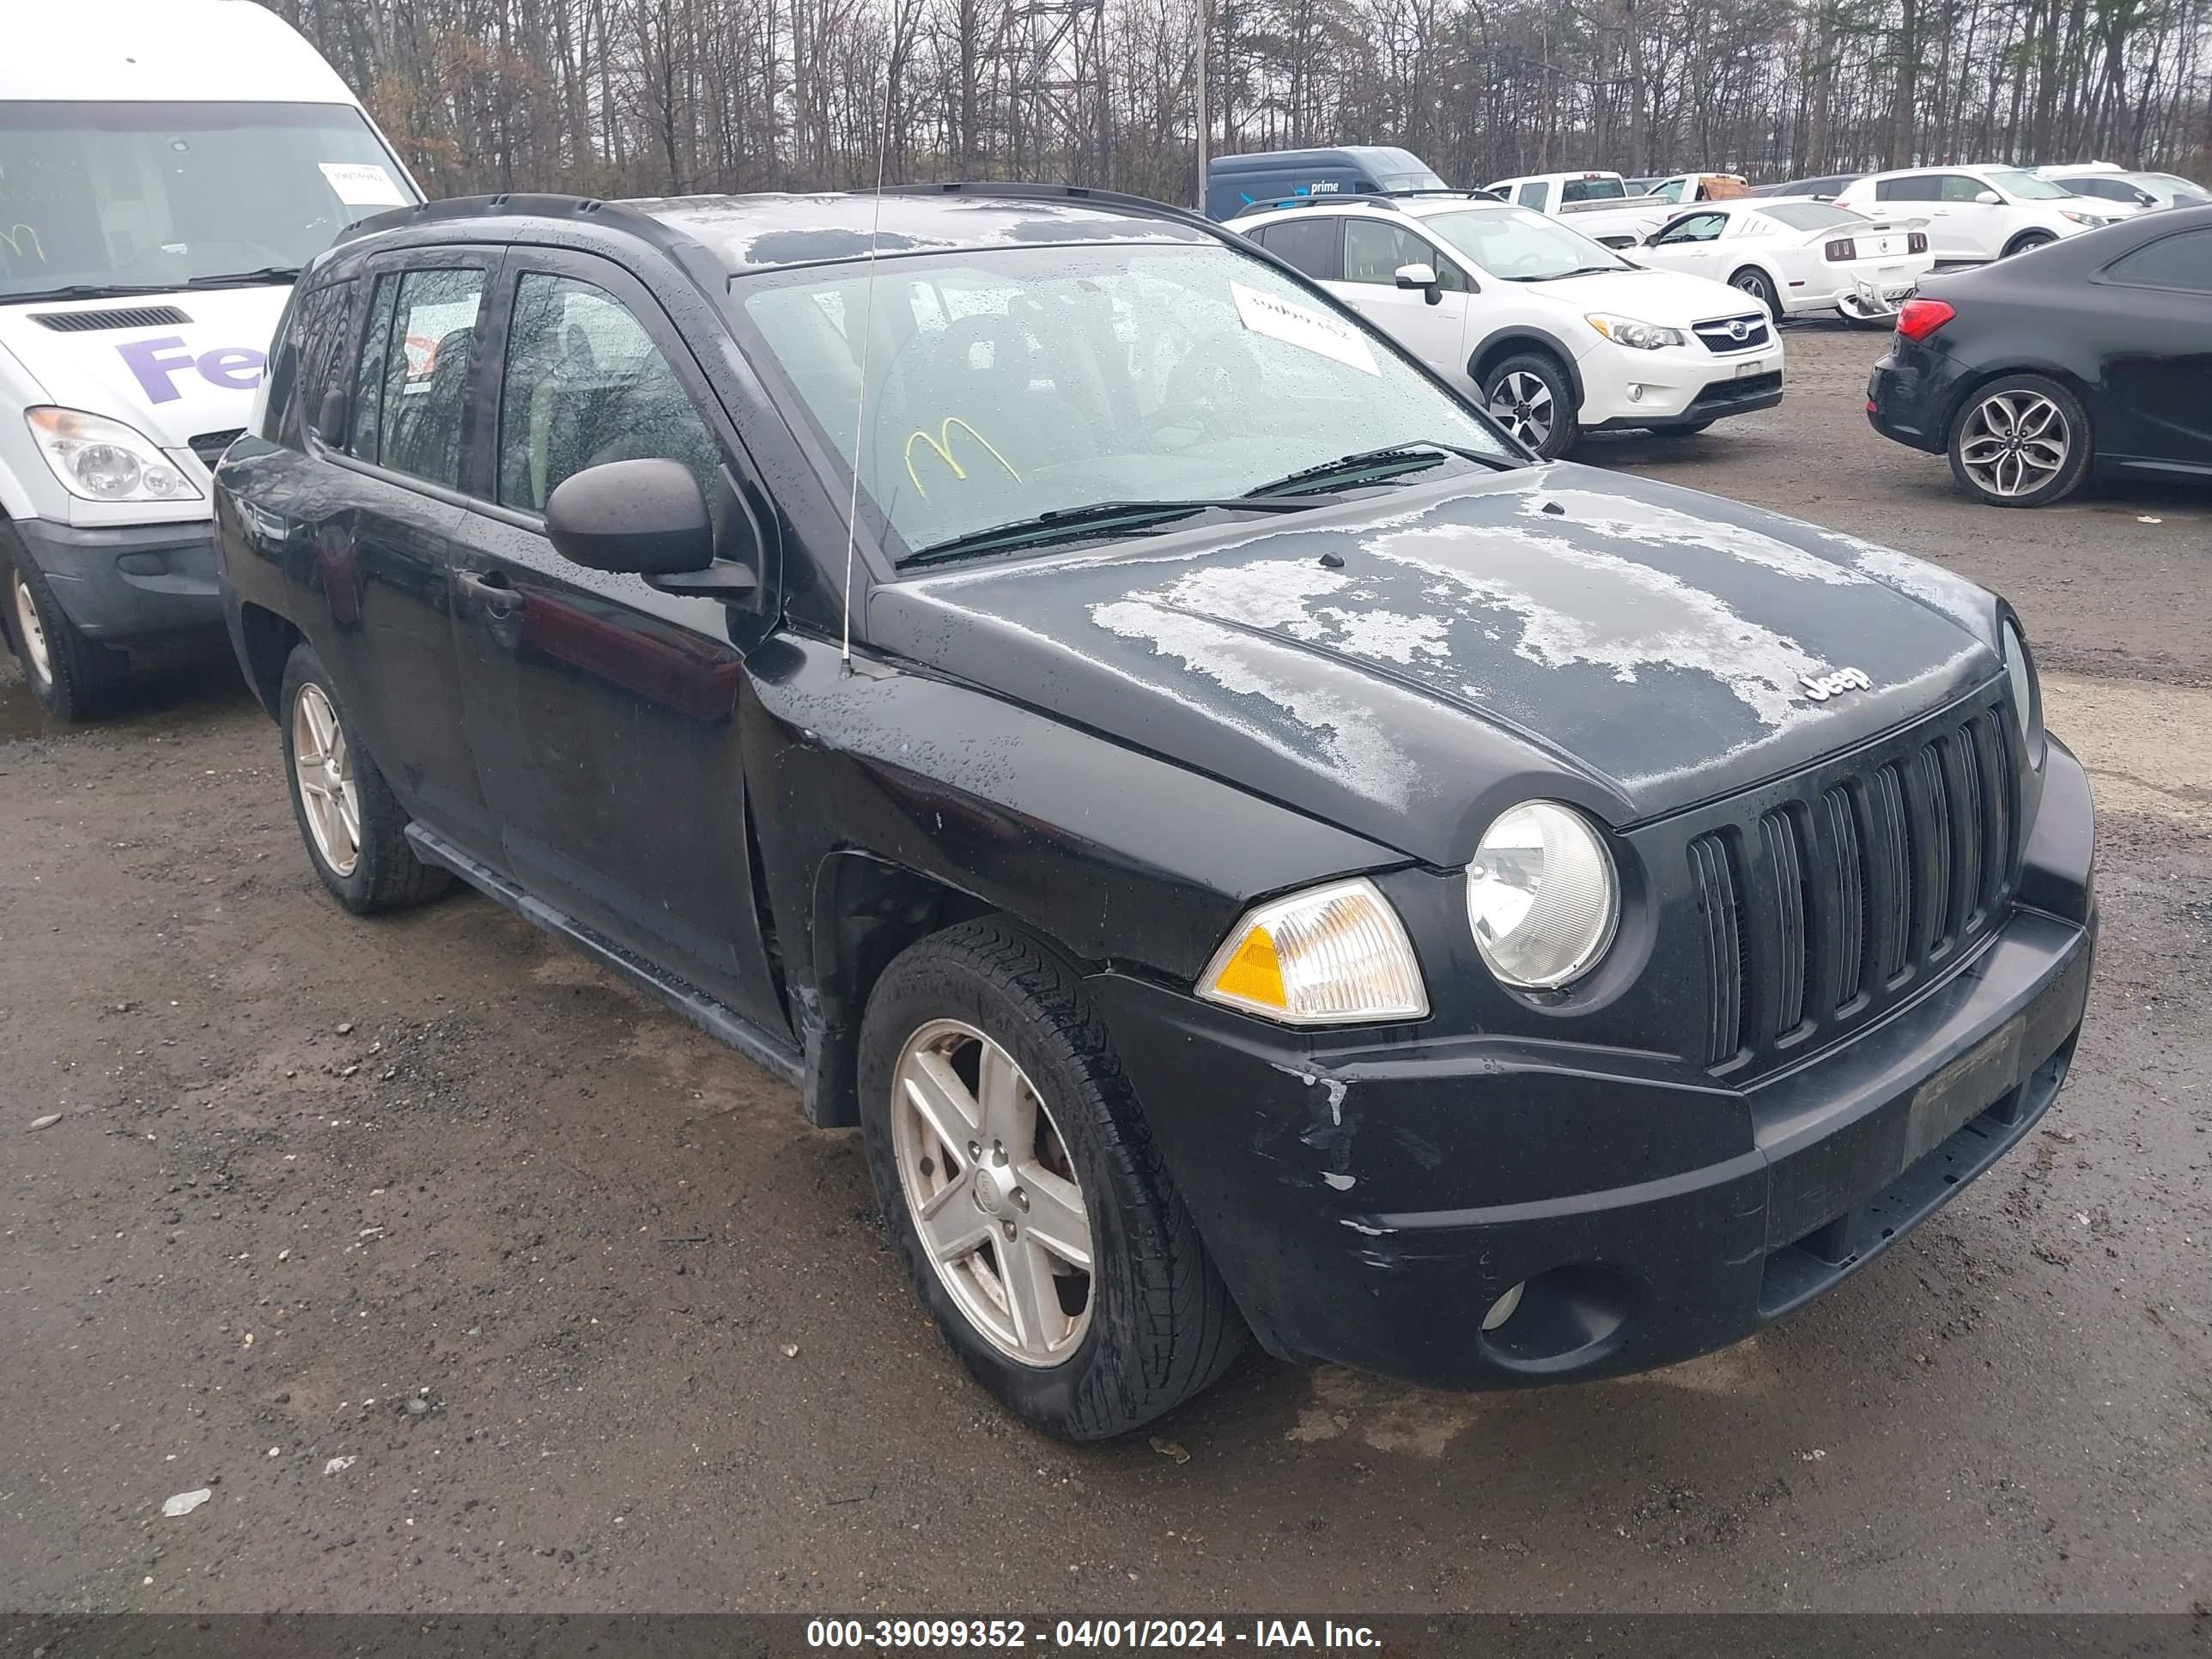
86	322
1824	907
1726	394
210	445
1720	334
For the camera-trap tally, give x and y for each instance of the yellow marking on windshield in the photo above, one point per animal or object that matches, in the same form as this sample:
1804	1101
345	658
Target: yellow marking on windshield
942	443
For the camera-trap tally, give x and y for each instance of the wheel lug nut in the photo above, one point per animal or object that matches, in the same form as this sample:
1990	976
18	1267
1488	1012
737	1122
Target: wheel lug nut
1010	1232
974	1152
1021	1199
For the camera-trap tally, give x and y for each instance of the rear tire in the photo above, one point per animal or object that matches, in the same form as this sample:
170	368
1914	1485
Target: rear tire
73	678
2020	441
1754	282
1053	1162
1531	397
355	829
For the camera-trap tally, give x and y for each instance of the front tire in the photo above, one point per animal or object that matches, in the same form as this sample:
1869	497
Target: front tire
355	829
1530	396
2022	440
1019	1182
2027	240
73	678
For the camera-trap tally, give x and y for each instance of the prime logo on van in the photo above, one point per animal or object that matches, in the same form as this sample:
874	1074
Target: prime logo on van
158	363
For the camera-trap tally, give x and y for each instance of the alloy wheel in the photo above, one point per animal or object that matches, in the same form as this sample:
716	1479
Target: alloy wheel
322	768
32	634
991	1193
2014	443
1522	404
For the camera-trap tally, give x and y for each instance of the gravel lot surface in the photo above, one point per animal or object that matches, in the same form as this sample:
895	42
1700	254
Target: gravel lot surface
466	1279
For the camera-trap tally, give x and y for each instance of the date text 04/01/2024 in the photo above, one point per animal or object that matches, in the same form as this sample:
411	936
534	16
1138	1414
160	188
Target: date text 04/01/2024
1084	1635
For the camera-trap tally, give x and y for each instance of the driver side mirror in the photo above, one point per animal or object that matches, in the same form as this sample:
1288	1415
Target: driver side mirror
1988	198
1423	278
649	519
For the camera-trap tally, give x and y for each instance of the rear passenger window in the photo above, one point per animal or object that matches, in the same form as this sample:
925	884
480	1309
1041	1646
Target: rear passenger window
362	441
2184	261
425	370
584	385
1309	244
1922	187
413	370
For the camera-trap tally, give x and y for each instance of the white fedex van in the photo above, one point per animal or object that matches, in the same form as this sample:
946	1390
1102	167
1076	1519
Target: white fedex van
166	167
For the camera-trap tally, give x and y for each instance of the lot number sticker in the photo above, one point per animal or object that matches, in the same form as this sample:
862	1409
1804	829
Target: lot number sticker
1302	327
362	183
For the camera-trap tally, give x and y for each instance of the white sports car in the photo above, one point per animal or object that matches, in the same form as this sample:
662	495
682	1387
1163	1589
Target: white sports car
1795	255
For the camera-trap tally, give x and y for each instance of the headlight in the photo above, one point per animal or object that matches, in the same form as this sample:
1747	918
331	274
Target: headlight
1325	957
1542	895
2027	698
2090	219
1627	331
104	461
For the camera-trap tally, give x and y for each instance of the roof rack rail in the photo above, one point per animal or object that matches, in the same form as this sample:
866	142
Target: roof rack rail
1112	199
1383	198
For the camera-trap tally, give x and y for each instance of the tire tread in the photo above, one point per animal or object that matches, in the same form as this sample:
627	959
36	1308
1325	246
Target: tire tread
1190	1331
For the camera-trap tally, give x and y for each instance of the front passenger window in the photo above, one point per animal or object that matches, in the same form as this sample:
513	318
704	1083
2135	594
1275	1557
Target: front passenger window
584	385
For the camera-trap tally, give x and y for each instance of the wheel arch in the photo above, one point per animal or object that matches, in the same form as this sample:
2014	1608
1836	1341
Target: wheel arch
1511	340
1964	392
264	642
865	909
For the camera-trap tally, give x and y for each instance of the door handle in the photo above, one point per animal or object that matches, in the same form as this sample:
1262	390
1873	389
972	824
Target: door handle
492	591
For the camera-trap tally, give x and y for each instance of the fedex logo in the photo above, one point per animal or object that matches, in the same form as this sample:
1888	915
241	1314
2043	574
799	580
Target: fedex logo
158	363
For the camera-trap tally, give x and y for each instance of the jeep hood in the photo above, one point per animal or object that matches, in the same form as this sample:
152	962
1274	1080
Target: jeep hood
174	381
1406	666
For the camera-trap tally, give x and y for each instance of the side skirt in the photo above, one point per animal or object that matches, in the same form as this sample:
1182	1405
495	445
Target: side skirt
717	1020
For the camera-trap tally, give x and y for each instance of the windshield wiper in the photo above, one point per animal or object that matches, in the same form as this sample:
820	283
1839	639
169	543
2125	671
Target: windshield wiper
246	278
1067	524
85	291
1384	463
1579	271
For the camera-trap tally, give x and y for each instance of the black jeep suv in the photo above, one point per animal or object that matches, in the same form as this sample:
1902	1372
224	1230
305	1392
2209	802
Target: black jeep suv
1250	848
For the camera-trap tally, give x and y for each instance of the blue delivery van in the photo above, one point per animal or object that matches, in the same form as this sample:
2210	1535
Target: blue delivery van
1234	183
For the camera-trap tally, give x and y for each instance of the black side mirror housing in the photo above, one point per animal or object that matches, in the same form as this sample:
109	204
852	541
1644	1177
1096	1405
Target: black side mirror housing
645	518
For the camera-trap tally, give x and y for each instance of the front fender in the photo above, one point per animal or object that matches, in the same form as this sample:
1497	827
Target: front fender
1117	856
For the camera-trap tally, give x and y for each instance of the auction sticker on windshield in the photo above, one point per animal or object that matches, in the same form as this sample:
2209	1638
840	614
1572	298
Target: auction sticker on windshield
1301	325
362	183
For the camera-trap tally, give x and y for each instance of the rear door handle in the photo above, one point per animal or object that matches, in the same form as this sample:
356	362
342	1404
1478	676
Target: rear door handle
492	591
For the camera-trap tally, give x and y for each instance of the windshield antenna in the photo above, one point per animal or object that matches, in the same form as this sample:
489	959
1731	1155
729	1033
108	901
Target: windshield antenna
861	399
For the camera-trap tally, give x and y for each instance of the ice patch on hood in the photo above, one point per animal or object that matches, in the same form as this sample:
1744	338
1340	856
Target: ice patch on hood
1943	590
1654	526
1345	738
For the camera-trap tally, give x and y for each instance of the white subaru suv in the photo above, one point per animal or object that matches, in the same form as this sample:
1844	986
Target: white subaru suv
1556	335
1978	214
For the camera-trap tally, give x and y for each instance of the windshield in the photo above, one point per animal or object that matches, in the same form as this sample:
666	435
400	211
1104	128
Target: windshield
1811	215
1592	190
1005	383
2180	186
1518	246
2017	182
143	195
